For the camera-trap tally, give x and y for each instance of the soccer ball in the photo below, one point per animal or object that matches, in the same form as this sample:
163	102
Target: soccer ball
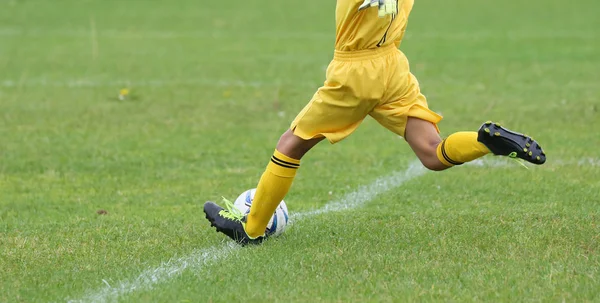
278	221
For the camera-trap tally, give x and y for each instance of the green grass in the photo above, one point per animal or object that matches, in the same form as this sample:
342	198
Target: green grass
213	89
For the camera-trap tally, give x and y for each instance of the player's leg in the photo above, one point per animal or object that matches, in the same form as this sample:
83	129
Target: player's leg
404	111
437	154
423	138
277	178
276	181
295	147
334	113
274	184
466	146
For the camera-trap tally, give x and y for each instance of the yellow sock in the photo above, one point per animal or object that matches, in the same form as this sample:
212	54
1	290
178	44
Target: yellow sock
272	188
461	147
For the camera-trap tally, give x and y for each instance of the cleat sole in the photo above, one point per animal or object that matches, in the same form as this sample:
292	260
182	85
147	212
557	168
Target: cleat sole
503	142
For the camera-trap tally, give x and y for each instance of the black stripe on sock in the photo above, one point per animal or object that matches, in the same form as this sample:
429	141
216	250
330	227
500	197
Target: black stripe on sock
285	162
283	165
446	156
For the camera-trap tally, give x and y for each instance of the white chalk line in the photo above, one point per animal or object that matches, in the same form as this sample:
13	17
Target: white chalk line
551	163
225	83
89	83
197	260
278	35
366	193
202	258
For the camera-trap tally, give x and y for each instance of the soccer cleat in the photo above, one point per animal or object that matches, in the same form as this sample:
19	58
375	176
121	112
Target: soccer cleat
230	222
503	142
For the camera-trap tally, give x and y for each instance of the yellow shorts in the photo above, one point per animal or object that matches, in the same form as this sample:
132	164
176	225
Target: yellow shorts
360	83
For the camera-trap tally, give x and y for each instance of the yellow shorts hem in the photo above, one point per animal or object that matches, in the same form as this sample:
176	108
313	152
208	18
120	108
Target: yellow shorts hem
421	112
305	136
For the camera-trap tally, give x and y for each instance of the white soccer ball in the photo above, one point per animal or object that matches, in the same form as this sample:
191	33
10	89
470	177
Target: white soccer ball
278	221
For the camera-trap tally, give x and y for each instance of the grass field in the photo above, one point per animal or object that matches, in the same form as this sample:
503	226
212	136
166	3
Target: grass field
213	87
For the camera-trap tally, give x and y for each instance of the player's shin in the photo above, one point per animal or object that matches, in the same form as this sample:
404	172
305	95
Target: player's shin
459	148
272	188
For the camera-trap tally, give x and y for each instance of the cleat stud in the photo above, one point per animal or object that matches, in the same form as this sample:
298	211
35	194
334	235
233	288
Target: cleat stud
527	144
487	130
488	123
498	124
525	149
497	134
530	154
538	158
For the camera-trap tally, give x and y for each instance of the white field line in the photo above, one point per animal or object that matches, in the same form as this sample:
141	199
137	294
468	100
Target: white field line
197	260
366	193
590	162
505	162
204	258
88	83
225	83
279	35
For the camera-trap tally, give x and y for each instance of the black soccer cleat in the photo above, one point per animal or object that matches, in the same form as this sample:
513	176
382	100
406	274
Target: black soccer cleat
503	142
230	223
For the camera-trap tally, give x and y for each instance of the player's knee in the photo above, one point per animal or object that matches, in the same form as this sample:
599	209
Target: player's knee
293	146
433	163
288	142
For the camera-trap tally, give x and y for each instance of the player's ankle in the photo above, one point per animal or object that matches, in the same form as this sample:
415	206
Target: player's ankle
253	233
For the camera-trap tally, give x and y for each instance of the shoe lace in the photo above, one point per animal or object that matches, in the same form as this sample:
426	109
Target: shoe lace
231	212
513	156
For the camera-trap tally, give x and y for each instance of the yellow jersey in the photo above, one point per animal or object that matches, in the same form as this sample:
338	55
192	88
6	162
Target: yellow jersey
364	30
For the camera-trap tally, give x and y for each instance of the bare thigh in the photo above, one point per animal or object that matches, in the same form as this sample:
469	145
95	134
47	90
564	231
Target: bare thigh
294	146
423	138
